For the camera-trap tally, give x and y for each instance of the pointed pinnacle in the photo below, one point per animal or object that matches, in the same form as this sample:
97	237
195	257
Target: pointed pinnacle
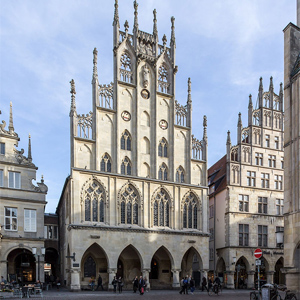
135	5
164	39
73	93
189	91
250	101
271	83
240	119
95	71
228	137
11	122
281	89
260	84
155	32
172	30
116	14
29	148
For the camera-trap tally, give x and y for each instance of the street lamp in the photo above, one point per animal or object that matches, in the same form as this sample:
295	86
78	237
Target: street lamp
34	252
279	238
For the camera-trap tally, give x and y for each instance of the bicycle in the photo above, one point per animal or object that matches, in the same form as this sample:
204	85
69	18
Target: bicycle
215	289
288	294
255	295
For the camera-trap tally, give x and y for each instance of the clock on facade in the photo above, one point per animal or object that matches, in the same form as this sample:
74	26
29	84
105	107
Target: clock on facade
126	116
163	124
145	94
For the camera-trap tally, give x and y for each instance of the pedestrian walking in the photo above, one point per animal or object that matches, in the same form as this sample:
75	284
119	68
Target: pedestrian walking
114	283
120	284
135	283
99	283
141	285
181	286
204	284
192	285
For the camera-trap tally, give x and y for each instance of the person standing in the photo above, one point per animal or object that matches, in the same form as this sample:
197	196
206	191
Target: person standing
57	283
120	284
186	285
135	284
114	283
99	283
192	285
181	286
209	284
204	284
141	285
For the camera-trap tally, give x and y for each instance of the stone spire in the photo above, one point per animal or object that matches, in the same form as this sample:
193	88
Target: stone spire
260	92
172	42
239	129
205	128
240	120
155	32
189	100
116	15
29	149
250	110
250	102
271	87
281	97
126	26
136	23
11	123
95	71
164	40
73	102
228	148
228	138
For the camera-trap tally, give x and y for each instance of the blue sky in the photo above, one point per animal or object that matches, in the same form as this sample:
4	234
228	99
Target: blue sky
223	45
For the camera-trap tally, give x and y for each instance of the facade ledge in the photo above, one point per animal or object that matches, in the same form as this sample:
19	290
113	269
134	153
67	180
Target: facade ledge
164	95
83	139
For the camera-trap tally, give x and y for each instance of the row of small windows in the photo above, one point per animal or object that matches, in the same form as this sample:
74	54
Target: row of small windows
265	180
14	179
94	207
11	219
262	205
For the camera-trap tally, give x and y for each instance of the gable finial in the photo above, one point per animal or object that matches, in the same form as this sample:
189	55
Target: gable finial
260	84
164	39
73	93
240	120
250	101
205	128
29	148
228	138
271	87
95	57
189	91
126	26
136	24
172	31
116	15
11	123
155	32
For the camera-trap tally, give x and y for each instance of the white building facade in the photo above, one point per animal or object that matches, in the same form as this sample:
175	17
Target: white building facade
135	202
246	197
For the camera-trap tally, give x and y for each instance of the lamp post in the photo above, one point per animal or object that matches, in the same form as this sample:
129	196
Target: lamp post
34	252
279	238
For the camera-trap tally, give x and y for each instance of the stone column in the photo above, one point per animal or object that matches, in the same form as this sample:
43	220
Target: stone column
146	275
176	280
270	276
75	280
111	274
230	279
250	279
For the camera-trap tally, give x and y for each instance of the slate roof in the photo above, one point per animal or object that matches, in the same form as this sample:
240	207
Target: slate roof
217	176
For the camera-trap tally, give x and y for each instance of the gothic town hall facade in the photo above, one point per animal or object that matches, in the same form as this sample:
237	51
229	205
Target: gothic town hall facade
136	201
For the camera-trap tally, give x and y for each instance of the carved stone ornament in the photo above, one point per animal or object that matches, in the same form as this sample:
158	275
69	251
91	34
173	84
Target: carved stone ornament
145	94
163	124
126	116
146	72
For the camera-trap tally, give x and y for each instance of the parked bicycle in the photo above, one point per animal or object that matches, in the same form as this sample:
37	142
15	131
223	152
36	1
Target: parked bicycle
215	289
288	294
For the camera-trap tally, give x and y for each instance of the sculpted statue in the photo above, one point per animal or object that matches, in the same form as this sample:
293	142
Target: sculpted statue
146	72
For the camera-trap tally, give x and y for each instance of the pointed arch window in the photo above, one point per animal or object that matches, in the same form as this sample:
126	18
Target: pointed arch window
163	172
126	166
161	209
129	206
126	141
94	202
105	165
163	148
180	175
125	68
89	267
190	212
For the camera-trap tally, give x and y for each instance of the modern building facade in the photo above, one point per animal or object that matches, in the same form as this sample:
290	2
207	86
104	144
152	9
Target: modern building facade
292	154
135	202
22	205
246	197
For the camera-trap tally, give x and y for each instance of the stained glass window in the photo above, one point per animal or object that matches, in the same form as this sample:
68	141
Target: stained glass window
95	210
160	149
161	216
155	214
129	206
167	223
180	175
101	211
87	209
190	212
89	267
129	213
126	166
123	212
163	172
195	217
163	148
126	141
105	165
184	216
190	215
135	213
161	213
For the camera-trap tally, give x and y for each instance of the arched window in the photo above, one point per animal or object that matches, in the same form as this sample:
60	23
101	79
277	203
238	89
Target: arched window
126	68
190	212
161	209
126	141
163	172
89	267
105	165
180	175
234	154
129	205
163	148
126	166
94	202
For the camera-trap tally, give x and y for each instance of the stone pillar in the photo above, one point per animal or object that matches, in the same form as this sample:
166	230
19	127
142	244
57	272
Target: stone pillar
176	279
3	269
270	276
230	279
111	274
75	280
146	275
250	279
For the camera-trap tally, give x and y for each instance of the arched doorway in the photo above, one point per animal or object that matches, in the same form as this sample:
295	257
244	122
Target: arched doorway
21	266
241	277
129	265
94	263
51	265
221	270
278	276
191	264
161	276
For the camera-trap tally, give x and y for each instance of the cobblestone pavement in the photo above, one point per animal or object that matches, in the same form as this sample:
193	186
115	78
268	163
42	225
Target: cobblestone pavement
155	294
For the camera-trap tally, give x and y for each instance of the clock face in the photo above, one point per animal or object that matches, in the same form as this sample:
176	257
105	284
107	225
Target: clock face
145	94
163	124
126	116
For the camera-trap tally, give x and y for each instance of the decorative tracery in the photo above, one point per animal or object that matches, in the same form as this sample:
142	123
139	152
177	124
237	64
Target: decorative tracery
161	209
181	114
163	85
129	201
245	135
126	166
126	68
190	211
94	200
105	165
126	141
180	175
85	123
234	154
256	117
197	148
163	148
266	98
106	95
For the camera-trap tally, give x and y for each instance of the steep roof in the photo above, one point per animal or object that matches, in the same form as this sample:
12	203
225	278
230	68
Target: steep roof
217	176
